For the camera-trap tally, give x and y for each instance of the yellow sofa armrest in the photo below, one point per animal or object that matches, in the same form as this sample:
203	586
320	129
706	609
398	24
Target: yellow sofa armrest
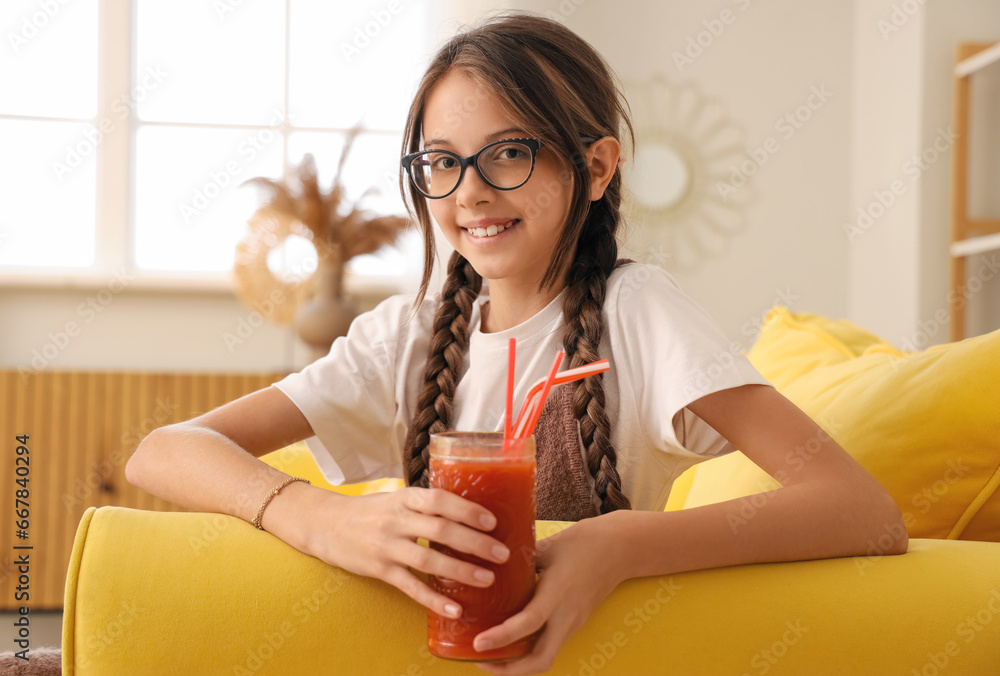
296	460
194	593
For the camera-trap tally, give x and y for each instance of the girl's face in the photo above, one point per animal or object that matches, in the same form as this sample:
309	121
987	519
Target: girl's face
462	117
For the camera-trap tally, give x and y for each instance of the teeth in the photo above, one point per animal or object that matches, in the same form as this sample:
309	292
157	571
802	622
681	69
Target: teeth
491	230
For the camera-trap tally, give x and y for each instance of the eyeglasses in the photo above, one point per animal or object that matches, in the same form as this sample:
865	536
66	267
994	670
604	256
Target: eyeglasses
504	165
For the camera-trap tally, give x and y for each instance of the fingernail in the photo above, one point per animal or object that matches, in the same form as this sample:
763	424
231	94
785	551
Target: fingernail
483	575
488	521
501	552
452	610
483	645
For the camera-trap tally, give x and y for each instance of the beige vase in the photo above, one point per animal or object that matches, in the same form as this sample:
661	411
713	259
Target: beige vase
327	315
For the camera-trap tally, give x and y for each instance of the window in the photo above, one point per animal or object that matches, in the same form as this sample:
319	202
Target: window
132	125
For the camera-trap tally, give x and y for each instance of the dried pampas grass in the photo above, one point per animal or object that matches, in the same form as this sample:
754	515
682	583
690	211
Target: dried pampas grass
299	206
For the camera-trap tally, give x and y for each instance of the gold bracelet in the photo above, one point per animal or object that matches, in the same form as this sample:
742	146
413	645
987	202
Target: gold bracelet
274	491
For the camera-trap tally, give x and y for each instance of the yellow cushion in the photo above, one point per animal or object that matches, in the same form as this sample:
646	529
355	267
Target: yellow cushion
190	593
297	460
791	345
680	490
926	424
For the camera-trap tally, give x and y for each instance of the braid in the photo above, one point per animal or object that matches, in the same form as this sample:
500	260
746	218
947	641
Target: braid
443	369
583	307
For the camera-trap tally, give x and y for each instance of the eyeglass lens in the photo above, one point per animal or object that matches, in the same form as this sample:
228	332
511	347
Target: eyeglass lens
504	165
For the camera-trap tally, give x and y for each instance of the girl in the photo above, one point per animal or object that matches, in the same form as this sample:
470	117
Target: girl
513	144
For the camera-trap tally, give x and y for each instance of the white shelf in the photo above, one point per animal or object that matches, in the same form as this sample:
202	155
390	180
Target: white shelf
975	245
978	62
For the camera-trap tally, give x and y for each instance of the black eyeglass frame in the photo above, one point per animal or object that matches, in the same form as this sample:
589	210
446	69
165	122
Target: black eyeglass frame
533	145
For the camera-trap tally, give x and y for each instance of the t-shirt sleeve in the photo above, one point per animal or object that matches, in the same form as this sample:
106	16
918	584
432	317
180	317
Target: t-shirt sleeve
674	353
348	397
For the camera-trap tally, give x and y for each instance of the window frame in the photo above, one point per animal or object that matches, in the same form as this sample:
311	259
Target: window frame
115	204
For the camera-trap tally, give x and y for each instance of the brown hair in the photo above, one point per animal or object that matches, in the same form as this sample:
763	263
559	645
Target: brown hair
560	89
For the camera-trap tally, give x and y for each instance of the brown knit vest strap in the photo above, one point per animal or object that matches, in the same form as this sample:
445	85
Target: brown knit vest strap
564	490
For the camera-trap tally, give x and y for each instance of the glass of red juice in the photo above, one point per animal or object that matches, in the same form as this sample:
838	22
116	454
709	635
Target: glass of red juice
498	474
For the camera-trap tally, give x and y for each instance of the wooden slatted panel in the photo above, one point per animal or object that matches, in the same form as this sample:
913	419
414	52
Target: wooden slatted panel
83	428
8	415
41	483
51	459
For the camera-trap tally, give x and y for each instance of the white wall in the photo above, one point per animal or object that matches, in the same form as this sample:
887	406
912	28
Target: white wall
904	58
888	98
761	66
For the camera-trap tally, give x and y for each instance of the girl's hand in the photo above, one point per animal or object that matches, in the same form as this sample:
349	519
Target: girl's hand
578	568
376	535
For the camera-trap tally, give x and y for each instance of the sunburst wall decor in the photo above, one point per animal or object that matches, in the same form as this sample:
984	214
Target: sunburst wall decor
686	145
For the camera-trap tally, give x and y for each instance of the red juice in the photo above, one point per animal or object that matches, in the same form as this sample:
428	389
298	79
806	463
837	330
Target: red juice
479	468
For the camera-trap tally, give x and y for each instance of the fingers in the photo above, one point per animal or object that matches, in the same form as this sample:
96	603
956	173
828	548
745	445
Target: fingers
417	590
540	614
455	536
433	562
454	507
538	661
524	623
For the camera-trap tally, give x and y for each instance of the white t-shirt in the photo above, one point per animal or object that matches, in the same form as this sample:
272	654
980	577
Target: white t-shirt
665	352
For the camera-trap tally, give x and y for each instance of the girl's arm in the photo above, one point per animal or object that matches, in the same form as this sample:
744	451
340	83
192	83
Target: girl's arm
827	506
211	464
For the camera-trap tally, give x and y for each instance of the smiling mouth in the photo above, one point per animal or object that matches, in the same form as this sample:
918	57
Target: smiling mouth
493	230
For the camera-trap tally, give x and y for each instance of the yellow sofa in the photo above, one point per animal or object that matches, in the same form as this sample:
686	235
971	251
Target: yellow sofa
188	593
173	593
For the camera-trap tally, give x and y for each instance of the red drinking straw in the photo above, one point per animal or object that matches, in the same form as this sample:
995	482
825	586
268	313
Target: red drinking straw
567	376
508	430
536	414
